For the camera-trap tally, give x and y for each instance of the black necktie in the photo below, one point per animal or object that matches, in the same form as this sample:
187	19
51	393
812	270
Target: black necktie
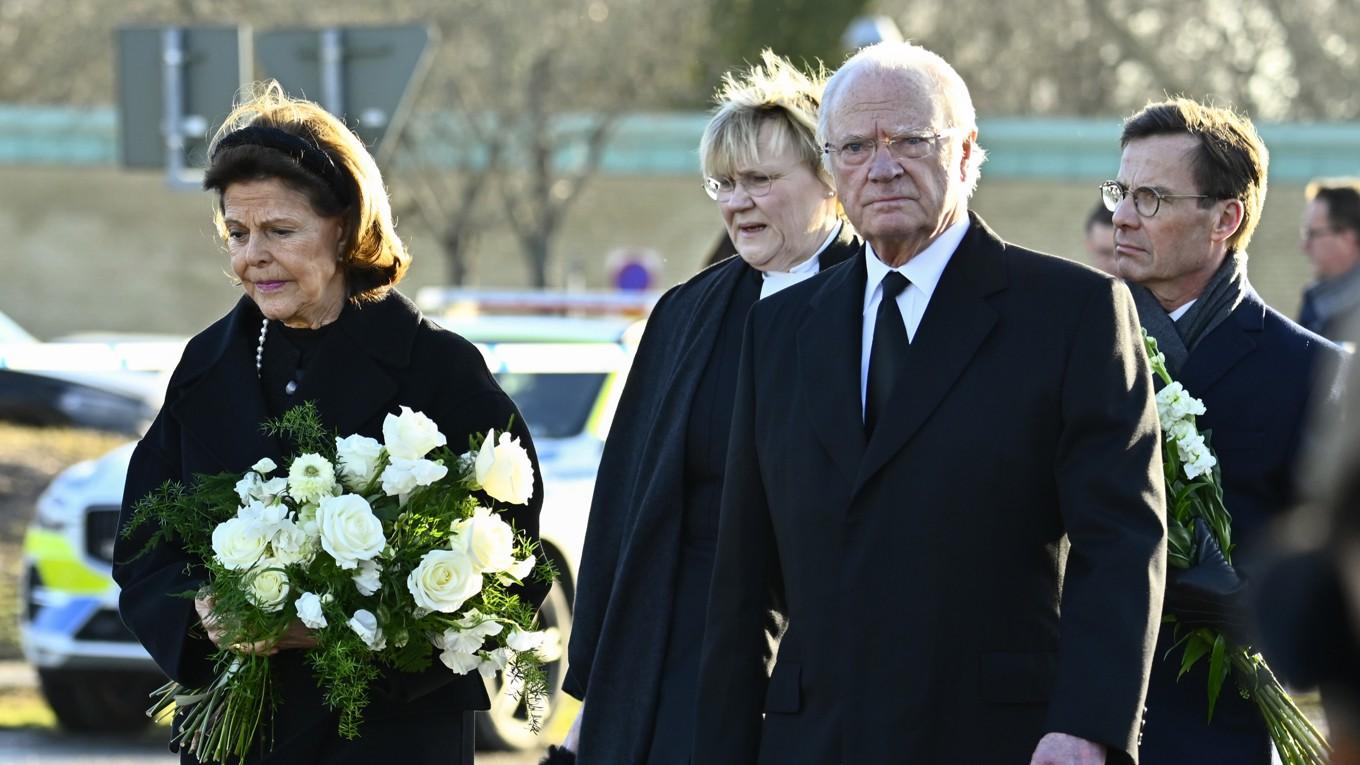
887	356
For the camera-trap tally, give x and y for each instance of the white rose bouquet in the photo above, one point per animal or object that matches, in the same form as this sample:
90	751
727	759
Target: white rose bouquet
386	551
1199	533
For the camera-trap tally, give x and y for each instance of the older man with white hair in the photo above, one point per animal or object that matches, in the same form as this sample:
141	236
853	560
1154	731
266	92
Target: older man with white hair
943	474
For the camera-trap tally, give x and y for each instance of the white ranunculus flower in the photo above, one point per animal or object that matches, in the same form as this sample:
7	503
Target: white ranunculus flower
264	466
358	458
503	469
310	478
461	663
239	543
268	588
365	625
291	544
488	540
404	476
350	531
309	610
367	578
411	435
443	581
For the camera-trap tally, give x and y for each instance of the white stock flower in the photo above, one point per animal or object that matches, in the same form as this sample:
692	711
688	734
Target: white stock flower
358	458
488	540
350	531
410	435
443	581
1174	403
367	578
268	588
239	543
1198	461
403	476
310	478
503	469
291	544
365	625
264	466
309	610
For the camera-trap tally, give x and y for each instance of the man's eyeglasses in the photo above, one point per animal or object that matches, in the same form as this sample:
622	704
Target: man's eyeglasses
755	184
853	152
1146	201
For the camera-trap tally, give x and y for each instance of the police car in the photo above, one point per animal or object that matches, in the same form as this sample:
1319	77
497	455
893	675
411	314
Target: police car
565	374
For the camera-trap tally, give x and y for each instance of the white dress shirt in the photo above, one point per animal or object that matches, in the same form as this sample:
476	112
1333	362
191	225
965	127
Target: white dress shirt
923	271
774	281
1179	312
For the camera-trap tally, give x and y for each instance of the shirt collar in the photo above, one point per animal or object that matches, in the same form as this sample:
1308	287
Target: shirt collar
924	270
774	281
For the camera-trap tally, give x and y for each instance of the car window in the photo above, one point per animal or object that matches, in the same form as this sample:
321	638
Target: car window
556	405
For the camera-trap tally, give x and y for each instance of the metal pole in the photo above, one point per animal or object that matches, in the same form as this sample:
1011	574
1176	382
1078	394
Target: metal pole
332	71
172	96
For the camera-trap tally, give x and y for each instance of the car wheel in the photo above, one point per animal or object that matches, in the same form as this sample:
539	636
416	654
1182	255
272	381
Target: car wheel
99	701
506	725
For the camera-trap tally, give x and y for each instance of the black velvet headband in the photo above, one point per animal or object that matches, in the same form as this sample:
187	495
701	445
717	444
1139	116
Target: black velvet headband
308	155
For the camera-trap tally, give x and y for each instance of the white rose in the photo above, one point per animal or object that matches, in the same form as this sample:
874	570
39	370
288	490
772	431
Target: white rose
350	531
310	478
520	571
268	588
291	544
239	543
358	458
366	579
403	476
503	469
443	581
309	610
264	466
488	540
411	435
365	625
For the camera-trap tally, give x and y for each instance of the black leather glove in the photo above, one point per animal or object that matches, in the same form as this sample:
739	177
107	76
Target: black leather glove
1210	593
558	756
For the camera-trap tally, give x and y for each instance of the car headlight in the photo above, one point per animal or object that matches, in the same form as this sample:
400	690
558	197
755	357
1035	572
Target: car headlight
60	506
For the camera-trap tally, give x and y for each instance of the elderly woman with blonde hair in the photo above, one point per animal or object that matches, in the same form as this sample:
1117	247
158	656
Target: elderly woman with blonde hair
648	559
302	209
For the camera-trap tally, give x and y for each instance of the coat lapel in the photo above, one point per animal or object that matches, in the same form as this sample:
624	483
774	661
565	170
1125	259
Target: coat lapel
956	322
829	346
1229	343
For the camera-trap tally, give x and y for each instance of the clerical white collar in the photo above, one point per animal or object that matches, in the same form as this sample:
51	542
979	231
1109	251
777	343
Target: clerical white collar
774	281
924	270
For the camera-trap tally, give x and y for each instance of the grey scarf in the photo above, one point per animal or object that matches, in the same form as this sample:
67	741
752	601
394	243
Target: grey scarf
1220	298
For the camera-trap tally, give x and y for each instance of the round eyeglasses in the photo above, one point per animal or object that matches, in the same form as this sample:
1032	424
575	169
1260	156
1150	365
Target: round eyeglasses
755	184
1146	200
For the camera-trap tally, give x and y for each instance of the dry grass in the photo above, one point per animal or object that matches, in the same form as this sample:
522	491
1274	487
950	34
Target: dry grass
29	458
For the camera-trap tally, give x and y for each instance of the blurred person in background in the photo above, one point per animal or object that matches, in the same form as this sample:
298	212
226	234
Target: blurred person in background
1330	236
306	221
944	473
648	558
1191	185
1100	238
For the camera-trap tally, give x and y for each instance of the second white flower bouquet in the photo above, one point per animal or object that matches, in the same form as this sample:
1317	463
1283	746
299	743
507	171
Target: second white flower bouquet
387	552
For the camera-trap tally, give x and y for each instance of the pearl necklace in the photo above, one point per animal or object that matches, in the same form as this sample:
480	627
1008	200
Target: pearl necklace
259	348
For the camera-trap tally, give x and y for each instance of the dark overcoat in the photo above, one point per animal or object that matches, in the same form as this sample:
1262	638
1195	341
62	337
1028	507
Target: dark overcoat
1257	373
987	568
624	602
375	358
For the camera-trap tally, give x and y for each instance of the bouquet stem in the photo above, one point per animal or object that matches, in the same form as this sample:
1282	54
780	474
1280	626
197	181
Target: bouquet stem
1296	739
219	722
